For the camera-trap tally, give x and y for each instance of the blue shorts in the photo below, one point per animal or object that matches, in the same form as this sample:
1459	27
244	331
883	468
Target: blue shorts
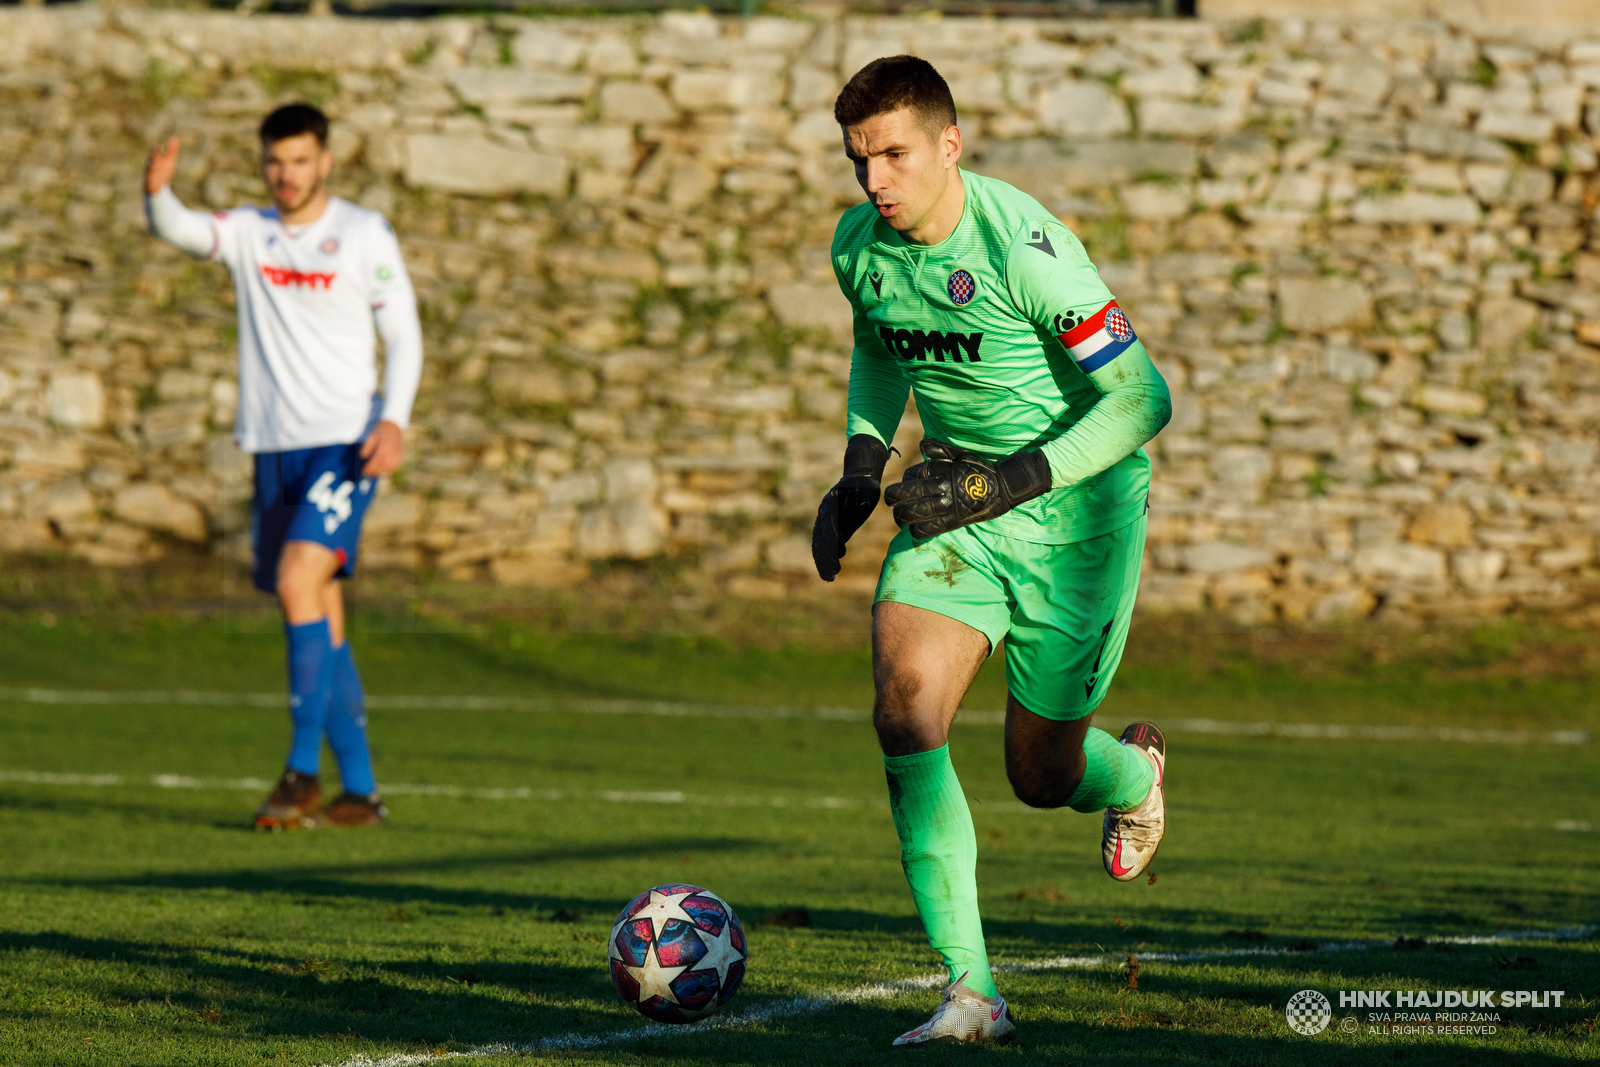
308	494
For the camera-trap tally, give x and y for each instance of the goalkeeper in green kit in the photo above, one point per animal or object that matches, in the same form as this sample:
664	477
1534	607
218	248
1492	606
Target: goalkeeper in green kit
1025	519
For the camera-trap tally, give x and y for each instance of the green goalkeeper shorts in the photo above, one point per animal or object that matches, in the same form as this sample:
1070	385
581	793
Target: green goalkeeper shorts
1063	610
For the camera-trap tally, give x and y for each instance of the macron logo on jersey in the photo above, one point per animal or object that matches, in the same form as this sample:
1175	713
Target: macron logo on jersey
299	279
1098	339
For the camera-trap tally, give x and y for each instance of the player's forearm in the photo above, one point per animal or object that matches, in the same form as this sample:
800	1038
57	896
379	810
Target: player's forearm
402	352
878	394
1135	405
191	231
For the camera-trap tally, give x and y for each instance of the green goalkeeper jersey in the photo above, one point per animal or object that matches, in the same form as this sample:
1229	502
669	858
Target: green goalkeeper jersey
1011	343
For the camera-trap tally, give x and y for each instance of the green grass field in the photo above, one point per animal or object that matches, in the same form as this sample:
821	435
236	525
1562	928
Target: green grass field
146	924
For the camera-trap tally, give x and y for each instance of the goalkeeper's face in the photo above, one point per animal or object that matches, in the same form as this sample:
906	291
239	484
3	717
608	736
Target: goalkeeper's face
296	169
907	170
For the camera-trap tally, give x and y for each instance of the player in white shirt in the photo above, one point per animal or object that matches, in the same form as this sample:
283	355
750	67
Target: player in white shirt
317	280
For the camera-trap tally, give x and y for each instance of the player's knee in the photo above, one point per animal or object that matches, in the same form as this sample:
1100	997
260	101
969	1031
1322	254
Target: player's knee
300	581
1037	787
894	711
294	590
896	698
898	688
1036	793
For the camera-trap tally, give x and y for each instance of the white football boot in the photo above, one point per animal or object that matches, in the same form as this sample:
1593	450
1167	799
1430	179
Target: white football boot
1131	838
964	1018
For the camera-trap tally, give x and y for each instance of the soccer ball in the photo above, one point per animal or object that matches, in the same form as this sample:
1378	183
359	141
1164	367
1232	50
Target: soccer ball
677	953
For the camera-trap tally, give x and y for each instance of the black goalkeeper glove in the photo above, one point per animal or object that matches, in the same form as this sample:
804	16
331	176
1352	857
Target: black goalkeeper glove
849	503
951	488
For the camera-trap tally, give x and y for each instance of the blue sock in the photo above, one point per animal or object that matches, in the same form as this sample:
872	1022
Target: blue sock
347	725
310	671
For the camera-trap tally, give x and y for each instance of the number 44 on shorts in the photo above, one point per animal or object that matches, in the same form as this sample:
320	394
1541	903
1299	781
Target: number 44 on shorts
334	503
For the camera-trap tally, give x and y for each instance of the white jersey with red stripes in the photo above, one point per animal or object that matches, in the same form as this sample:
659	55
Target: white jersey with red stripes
308	297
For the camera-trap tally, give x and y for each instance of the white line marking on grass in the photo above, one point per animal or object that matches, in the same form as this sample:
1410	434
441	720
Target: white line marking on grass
580	705
689	709
788	1008
796	1007
35	695
47	778
604	796
1339	732
608	796
1565	933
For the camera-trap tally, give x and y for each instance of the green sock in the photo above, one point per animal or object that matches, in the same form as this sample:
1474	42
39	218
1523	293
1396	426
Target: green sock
939	852
1115	775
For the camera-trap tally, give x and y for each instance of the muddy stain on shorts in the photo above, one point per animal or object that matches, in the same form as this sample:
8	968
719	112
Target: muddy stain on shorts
953	566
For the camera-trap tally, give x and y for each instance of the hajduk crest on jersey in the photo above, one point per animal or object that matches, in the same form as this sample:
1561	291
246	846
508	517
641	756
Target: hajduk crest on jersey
1100	338
961	288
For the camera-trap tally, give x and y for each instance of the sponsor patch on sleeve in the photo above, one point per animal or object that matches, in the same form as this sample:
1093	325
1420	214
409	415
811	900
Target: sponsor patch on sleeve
1097	339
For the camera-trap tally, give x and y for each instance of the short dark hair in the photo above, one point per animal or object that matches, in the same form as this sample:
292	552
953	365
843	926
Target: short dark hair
894	82
291	120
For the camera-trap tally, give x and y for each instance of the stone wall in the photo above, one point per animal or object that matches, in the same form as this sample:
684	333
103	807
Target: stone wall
1493	17
1365	256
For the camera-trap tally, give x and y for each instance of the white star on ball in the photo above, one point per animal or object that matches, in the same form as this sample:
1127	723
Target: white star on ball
662	909
655	980
720	953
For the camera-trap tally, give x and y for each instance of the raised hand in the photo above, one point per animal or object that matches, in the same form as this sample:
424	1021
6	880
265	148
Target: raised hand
161	166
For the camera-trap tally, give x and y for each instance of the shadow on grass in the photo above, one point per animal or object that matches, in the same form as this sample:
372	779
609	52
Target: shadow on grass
384	883
1270	980
273	994
124	806
858	1036
346	880
391	882
1200	1023
378	1007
